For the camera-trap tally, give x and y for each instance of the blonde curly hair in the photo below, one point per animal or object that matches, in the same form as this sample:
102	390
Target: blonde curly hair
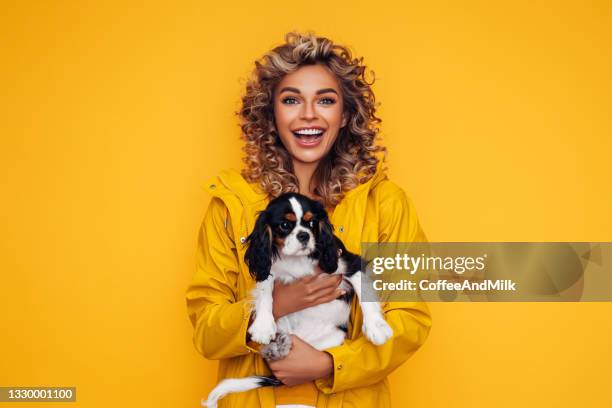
353	158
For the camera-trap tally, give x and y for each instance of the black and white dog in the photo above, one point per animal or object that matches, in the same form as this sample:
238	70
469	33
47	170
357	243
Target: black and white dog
290	237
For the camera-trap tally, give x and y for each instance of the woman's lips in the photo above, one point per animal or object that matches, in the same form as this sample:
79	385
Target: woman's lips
308	140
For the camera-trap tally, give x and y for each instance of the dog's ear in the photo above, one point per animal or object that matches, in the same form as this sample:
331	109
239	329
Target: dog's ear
259	253
326	242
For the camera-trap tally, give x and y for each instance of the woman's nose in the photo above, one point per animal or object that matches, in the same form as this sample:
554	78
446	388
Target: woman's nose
308	111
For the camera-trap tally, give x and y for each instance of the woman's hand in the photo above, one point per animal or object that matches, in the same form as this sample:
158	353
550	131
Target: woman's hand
303	364
305	292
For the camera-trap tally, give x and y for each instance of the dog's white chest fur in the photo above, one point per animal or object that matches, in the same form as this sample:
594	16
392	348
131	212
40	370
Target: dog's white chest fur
286	269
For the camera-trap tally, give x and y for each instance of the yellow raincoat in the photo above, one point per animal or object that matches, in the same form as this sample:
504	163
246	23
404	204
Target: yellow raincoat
218	296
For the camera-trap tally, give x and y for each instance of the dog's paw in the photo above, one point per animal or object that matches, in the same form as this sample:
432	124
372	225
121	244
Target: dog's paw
377	330
269	351
277	349
284	343
262	331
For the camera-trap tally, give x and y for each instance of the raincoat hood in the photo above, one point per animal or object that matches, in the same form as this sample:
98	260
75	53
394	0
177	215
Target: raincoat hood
245	199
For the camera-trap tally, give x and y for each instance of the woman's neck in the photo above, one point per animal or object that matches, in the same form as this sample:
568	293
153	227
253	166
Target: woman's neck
304	173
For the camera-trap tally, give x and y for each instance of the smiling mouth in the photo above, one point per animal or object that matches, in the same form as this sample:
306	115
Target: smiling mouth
309	135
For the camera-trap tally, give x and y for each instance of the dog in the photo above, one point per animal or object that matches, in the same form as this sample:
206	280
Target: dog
290	237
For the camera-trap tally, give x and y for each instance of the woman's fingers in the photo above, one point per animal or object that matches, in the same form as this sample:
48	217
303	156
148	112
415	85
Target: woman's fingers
321	287
334	294
324	282
333	291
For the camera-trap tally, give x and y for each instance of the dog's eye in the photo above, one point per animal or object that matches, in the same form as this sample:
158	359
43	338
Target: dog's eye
285	226
311	223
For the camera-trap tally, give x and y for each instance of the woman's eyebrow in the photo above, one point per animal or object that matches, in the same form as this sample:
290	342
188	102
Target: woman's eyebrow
297	91
326	90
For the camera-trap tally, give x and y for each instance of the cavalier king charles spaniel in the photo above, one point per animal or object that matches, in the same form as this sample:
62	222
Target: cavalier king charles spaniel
291	236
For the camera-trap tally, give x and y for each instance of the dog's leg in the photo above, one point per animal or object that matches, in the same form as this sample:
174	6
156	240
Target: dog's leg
375	328
263	328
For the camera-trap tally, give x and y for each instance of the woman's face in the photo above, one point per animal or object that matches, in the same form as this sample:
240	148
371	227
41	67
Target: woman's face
308	111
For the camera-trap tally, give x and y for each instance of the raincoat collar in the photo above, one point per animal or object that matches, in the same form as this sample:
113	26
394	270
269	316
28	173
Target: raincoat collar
231	182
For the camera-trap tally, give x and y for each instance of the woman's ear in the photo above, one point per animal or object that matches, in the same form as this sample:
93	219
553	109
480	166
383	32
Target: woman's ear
259	253
327	247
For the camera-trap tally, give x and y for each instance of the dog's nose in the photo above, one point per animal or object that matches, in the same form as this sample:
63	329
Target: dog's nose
303	237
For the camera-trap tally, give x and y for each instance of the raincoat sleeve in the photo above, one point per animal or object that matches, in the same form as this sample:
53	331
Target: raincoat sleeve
219	319
358	362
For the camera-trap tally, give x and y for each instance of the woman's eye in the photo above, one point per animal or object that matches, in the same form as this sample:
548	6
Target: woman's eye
290	100
327	101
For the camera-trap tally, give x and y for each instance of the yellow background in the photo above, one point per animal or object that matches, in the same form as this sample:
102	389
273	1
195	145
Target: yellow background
496	115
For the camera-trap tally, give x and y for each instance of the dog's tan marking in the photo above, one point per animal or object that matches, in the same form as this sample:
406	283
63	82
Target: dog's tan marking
290	217
307	216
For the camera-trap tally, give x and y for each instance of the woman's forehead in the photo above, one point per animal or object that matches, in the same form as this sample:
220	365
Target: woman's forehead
309	79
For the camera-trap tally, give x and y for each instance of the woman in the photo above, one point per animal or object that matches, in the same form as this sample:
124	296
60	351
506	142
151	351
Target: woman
308	119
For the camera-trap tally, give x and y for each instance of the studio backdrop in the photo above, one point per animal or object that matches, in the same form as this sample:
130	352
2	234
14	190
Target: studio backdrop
496	116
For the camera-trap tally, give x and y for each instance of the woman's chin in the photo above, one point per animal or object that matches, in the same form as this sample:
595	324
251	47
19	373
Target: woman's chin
308	155
312	153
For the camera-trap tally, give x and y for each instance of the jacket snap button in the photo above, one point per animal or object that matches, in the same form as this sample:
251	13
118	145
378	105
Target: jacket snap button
341	228
242	240
213	186
339	366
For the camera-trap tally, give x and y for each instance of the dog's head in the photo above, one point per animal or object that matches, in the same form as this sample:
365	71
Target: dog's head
291	225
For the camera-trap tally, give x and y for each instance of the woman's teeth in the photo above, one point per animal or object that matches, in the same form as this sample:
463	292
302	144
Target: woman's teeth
308	132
